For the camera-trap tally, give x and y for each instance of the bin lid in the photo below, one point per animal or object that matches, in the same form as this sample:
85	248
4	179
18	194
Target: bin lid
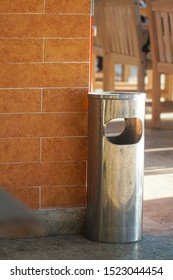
117	95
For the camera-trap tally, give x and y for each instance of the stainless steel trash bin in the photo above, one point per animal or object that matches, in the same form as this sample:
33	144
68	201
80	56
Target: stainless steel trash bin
115	167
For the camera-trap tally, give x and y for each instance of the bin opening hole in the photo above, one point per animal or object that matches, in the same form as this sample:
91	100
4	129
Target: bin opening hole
124	131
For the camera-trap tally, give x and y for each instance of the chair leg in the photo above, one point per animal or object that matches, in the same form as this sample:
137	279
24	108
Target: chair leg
150	79
125	72
168	87
156	105
141	76
108	73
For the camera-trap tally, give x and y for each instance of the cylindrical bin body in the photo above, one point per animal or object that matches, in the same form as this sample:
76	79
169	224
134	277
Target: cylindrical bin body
115	167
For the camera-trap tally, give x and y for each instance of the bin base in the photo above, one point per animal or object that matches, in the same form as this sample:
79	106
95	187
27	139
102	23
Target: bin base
114	241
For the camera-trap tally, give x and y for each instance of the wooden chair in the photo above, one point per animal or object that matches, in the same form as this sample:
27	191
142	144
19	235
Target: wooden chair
122	41
160	16
99	51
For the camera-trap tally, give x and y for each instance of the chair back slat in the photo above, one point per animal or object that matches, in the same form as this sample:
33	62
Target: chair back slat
129	35
171	27
115	42
158	20
167	37
122	31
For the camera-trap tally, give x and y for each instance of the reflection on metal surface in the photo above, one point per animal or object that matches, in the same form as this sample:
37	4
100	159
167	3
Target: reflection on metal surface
115	167
131	134
114	127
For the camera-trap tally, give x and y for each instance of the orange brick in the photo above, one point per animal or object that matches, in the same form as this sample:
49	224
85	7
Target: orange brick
62	196
45	125
65	75
20	101
21	6
21	50
43	75
67	50
28	196
65	100
19	150
44	26
64	6
43	174
64	149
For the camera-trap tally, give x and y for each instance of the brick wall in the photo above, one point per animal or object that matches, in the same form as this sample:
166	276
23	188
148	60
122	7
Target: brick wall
44	65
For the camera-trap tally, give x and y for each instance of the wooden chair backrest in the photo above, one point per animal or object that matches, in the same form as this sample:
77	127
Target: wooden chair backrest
122	36
161	30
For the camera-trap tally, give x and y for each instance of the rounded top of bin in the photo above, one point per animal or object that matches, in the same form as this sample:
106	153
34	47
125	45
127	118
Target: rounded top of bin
117	95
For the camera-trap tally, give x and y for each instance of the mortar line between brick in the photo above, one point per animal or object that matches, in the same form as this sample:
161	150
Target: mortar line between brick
40	149
42	113
39	199
50	87
40	63
44	137
43	49
49	38
48	162
41	101
44	12
44	6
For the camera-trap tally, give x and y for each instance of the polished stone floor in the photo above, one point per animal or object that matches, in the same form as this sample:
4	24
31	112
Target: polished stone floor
77	247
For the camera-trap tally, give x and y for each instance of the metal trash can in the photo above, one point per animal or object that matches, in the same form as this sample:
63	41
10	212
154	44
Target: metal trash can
115	167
